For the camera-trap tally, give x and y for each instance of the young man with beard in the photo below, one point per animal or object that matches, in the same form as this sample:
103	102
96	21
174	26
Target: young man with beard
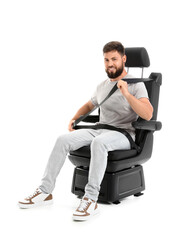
120	110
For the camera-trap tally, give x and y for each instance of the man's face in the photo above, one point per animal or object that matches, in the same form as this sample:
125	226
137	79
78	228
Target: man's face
114	64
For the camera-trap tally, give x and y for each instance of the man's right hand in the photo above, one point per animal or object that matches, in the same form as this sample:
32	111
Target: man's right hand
83	110
70	126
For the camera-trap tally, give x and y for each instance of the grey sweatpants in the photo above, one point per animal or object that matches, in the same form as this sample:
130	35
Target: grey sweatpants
101	142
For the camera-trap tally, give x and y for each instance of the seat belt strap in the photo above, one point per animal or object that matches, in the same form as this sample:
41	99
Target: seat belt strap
128	80
105	126
109	127
81	118
121	130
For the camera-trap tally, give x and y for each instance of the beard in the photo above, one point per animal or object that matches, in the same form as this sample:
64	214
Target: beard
115	74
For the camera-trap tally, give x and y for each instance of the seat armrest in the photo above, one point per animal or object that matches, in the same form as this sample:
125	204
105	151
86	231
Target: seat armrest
151	125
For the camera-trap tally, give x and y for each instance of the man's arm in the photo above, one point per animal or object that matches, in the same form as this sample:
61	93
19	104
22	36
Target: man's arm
83	110
142	107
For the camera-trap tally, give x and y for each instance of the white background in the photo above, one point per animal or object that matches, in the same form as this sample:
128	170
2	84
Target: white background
50	63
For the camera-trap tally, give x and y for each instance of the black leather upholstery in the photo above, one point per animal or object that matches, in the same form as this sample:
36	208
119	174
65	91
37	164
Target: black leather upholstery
112	155
137	57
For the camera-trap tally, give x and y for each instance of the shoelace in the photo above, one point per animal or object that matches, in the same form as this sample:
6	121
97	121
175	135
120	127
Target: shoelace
32	195
83	205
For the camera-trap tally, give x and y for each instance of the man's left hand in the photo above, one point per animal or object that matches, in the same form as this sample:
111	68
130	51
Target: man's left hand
123	87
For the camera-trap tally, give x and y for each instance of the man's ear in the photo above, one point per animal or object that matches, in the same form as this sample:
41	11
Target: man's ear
124	58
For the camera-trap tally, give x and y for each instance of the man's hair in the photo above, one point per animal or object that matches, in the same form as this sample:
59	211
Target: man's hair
114	46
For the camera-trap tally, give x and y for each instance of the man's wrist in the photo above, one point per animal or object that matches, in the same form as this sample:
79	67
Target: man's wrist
126	95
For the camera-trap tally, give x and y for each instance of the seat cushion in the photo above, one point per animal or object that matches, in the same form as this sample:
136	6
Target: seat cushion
112	155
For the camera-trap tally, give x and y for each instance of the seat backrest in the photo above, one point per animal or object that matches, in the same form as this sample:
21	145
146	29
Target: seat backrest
153	88
139	58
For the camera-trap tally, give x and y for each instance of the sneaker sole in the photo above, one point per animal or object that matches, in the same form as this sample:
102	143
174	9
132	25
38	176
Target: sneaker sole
84	218
28	206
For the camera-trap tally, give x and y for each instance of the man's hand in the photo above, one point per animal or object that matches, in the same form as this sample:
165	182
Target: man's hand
123	87
82	111
142	107
70	126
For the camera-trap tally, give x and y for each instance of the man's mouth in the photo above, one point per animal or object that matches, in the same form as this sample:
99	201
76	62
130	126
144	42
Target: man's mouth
111	69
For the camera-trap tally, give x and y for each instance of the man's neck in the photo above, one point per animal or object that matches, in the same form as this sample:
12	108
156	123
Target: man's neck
124	73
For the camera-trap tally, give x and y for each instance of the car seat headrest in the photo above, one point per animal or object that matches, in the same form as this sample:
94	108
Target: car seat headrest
137	57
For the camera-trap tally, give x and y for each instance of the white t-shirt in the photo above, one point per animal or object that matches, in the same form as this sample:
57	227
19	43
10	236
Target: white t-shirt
116	111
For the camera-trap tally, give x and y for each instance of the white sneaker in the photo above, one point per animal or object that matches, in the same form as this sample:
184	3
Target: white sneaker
86	209
38	198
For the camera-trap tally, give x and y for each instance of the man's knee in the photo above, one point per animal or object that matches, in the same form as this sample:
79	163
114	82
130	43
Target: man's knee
64	140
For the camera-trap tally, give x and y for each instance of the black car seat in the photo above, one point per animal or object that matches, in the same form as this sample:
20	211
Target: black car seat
124	173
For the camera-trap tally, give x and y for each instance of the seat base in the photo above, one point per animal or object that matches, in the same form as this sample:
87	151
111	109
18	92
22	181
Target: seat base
115	186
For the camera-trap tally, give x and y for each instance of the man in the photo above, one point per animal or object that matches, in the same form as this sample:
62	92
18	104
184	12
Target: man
120	110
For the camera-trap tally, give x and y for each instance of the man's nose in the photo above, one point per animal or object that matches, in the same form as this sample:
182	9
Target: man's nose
110	63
